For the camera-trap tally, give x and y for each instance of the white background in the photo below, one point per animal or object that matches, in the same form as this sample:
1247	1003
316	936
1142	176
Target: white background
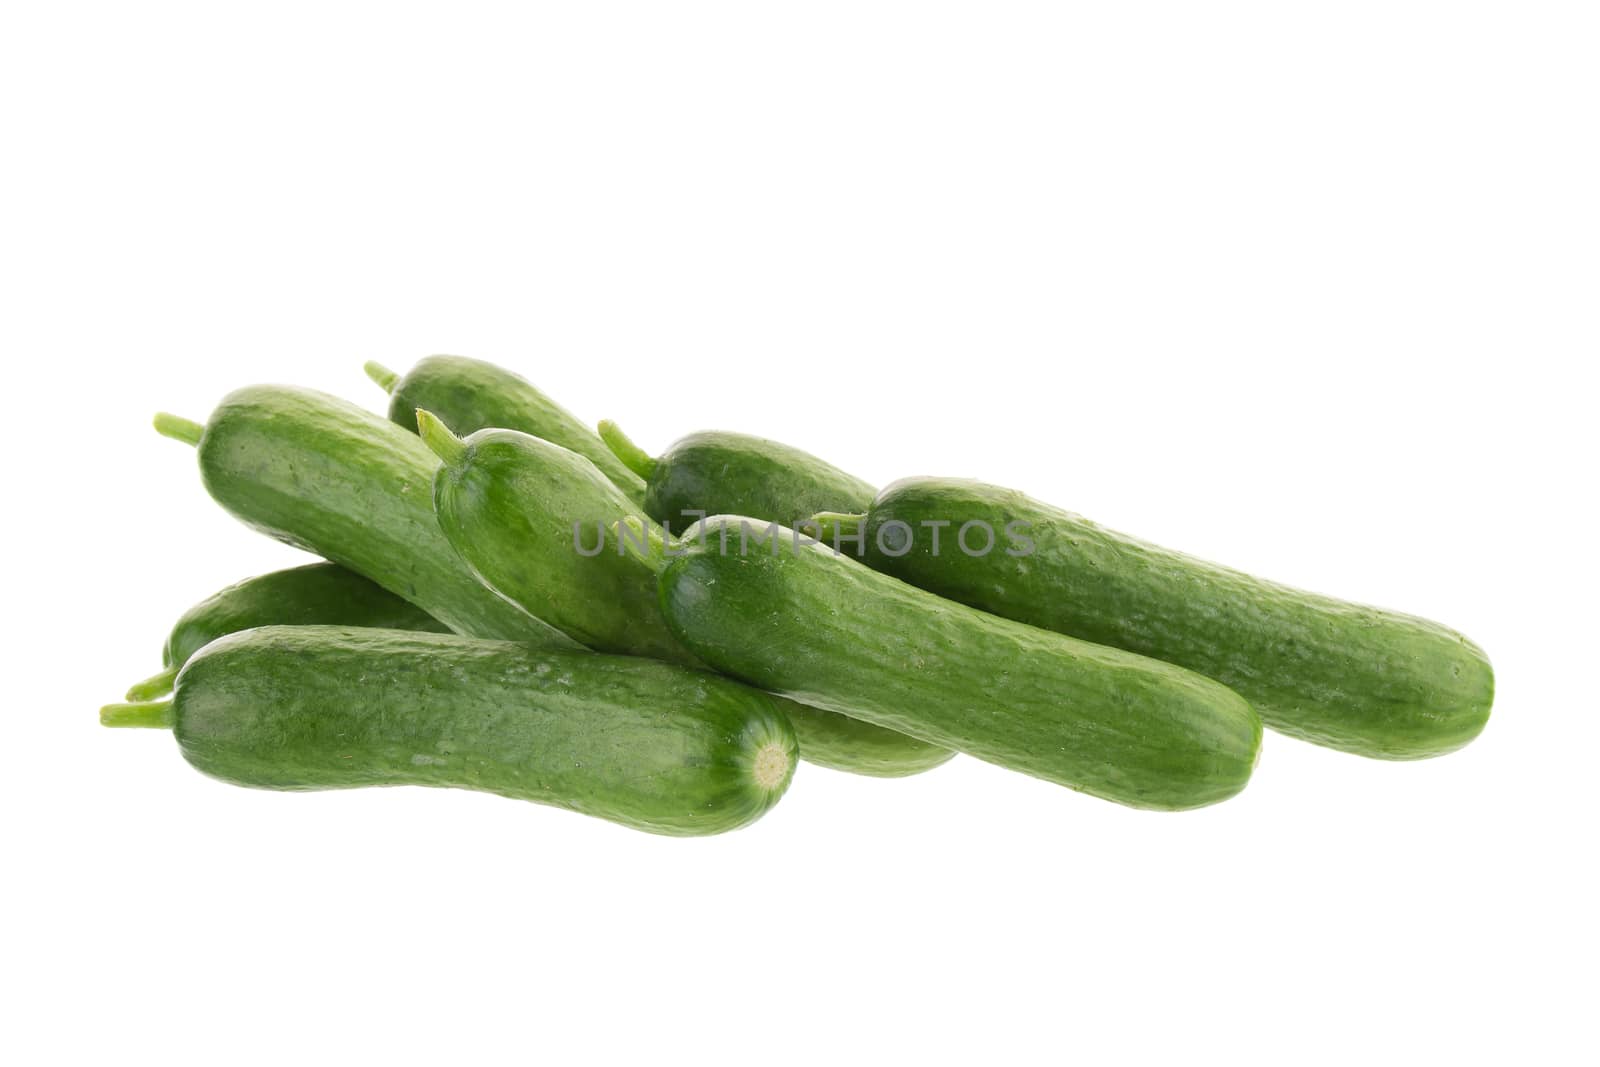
1310	289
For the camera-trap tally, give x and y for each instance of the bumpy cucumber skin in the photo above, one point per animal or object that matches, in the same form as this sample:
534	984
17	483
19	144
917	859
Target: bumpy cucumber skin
719	473
324	475
1356	678
315	594
470	395
508	507
822	629
649	745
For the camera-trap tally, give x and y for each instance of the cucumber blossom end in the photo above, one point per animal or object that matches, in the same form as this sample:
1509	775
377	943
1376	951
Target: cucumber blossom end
772	766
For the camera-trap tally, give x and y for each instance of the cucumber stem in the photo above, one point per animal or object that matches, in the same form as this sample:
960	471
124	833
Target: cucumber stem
632	456
179	429
831	525
641	541
157	685
386	378
149	714
437	436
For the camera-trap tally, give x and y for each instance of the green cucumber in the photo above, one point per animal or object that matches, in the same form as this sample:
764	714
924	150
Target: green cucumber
1351	677
514	506
324	475
843	743
315	593
649	745
717	473
471	395
820	628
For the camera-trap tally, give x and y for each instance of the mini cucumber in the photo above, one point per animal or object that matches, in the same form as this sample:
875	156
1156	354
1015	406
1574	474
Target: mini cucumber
820	628
650	745
515	507
471	395
324	475
323	593
716	473
1351	677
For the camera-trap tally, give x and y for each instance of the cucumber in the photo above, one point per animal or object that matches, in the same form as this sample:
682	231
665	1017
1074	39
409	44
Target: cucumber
508	502
1351	677
315	593
318	473
649	745
522	513
820	628
717	473
470	395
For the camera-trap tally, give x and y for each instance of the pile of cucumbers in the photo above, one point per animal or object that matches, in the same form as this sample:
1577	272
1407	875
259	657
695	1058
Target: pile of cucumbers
512	602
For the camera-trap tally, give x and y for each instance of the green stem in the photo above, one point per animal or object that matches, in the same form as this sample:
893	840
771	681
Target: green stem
832	524
157	685
632	456
641	540
149	714
386	378
437	436
185	430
